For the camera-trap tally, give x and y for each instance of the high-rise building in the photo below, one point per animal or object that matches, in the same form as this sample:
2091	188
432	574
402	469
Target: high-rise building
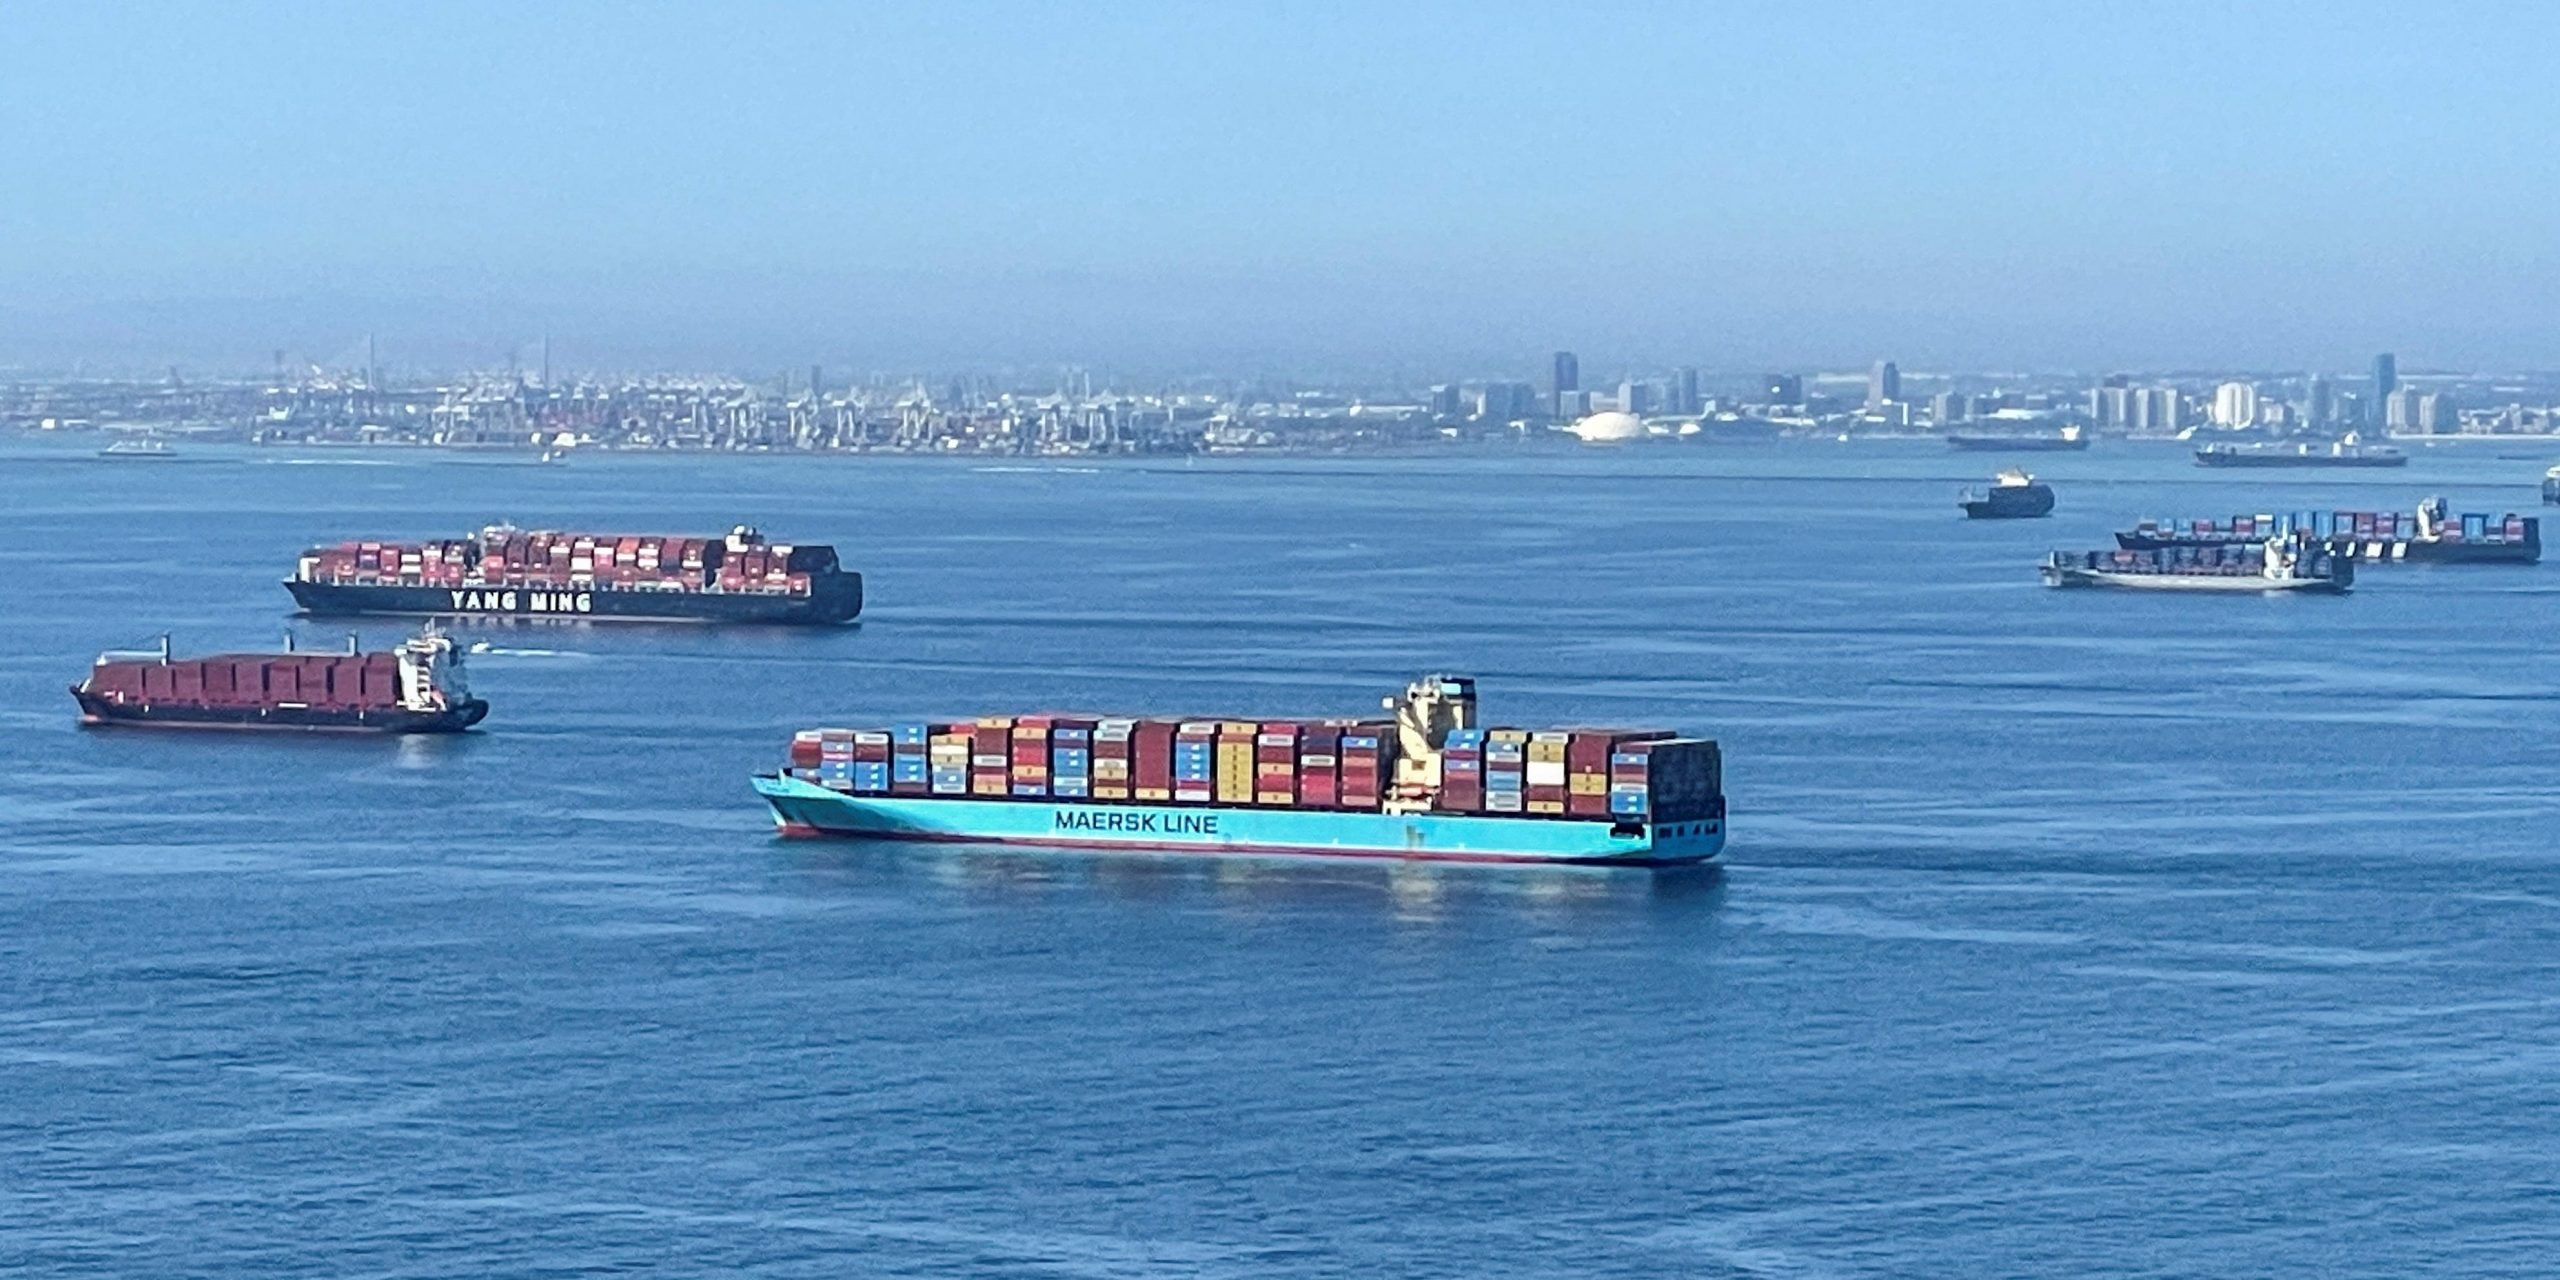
1884	384
1635	397
1950	407
1783	388
2386	379
1445	401
817	380
2319	403
1687	391
2156	409
2438	415
2400	410
2235	404
1568	379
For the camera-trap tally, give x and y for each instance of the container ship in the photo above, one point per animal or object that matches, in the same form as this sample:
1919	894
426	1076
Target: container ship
506	572
2425	536
2343	453
2290	563
417	688
2067	439
1430	783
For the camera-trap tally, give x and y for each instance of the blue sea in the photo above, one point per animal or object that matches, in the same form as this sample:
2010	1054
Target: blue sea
2060	934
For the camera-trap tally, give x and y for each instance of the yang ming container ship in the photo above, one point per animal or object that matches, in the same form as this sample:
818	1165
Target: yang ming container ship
506	572
1428	784
417	688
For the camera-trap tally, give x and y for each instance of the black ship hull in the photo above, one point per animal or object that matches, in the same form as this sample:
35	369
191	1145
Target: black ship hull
2387	550
2018	444
834	599
2028	504
95	710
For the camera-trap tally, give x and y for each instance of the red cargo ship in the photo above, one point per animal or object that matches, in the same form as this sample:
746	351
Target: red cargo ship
503	571
417	688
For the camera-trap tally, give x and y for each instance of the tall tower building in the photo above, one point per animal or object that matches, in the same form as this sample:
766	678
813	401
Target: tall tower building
1688	393
2235	404
1568	380
2386	379
1884	384
2319	405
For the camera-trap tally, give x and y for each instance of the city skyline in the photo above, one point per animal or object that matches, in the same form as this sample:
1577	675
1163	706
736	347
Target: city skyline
772	184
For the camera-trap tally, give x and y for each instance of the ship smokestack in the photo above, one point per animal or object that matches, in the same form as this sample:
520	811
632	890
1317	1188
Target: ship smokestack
164	648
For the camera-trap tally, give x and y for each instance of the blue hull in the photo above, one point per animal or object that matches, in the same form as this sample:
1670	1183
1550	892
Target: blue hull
806	809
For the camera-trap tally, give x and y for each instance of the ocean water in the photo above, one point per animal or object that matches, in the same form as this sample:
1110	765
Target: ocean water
2061	933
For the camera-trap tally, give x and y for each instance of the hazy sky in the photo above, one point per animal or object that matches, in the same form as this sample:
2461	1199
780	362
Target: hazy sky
2054	185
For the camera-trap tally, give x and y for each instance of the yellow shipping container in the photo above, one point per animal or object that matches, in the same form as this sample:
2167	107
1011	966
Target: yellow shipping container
1106	791
1274	797
1546	806
1154	793
1588	784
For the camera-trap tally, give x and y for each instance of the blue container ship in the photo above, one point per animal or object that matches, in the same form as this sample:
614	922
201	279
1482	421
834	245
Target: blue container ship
1428	784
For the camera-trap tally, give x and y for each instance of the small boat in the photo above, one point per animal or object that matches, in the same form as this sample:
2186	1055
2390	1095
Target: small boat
2014	495
138	450
2071	437
2346	451
2291	563
2551	487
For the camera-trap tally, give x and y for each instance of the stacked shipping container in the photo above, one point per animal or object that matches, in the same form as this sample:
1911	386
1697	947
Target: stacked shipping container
349	681
1336	764
547	559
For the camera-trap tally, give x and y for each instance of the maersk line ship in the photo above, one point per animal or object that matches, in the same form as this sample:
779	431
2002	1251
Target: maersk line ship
1430	783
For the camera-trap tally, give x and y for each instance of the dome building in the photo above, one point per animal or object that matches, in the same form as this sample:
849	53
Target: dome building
1610	428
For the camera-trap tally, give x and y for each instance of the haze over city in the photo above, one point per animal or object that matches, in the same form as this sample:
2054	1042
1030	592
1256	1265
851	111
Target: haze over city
1990	186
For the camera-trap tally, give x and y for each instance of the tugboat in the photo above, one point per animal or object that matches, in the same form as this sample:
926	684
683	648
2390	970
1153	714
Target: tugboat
2289	563
417	688
2014	495
2069	438
2347	451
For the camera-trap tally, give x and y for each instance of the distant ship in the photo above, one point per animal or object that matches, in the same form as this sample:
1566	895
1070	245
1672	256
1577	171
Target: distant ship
2288	564
2346	452
138	450
2014	495
2429	535
2032	442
